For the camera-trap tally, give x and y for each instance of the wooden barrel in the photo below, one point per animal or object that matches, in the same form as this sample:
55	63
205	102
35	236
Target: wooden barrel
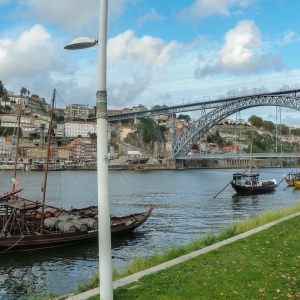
65	218
51	222
80	225
36	214
66	227
76	217
91	223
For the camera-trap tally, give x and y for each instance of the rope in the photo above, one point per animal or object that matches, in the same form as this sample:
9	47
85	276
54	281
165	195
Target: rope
13	244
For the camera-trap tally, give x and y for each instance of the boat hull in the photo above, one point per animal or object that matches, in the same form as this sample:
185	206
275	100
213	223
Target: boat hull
241	189
289	182
297	184
52	239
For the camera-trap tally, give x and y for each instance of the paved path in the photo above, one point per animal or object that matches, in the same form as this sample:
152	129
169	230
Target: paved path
137	276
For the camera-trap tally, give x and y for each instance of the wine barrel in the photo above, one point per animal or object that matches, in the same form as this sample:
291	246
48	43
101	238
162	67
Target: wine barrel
65	218
66	227
76	217
51	222
80	225
91	223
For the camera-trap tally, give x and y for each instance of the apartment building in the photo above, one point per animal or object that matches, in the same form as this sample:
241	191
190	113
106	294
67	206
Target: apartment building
74	129
77	111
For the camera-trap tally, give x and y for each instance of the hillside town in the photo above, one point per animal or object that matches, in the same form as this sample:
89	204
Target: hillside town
74	132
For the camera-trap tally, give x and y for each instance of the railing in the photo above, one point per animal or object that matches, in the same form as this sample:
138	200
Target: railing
238	155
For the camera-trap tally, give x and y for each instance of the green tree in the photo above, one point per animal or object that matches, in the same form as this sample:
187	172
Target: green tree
158	106
2	89
23	91
284	129
92	136
186	117
256	121
5	98
268	126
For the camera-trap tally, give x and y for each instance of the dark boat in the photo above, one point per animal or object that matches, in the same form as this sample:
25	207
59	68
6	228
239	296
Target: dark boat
20	226
244	183
90	211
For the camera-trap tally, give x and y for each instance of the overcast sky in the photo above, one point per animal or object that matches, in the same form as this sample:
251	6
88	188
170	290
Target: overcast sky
159	52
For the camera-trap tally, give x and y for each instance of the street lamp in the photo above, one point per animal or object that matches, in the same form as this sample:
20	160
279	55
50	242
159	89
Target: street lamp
105	263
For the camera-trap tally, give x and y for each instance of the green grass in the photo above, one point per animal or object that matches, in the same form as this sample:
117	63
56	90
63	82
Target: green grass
221	274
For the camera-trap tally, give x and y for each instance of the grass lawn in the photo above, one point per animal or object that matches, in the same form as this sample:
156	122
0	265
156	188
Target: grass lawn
265	265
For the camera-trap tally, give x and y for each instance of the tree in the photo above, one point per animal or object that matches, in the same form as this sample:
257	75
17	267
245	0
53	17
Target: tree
35	96
23	91
186	117
2	89
256	121
92	136
5	98
159	106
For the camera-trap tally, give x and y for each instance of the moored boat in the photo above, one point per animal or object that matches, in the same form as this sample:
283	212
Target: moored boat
244	183
20	226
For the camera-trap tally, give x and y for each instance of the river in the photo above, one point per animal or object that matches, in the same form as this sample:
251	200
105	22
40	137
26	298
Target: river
184	210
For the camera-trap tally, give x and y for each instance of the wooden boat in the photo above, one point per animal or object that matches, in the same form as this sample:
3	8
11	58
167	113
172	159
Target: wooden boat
244	183
293	178
51	167
90	211
20	226
27	225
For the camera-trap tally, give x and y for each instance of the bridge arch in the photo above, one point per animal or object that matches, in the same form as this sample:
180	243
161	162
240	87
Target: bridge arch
185	141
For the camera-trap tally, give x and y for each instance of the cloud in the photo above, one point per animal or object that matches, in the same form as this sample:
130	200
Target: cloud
152	15
72	15
30	54
241	53
148	50
127	93
31	61
2	2
202	8
288	37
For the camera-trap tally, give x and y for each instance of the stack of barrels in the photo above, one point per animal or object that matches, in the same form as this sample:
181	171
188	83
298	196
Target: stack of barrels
70	223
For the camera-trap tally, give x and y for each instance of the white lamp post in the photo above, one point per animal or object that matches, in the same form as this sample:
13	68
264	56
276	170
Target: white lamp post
105	264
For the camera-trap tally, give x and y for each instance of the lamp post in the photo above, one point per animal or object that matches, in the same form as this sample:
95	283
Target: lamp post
105	264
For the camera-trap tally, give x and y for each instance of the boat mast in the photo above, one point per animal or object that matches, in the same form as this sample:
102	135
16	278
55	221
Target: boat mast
47	162
17	147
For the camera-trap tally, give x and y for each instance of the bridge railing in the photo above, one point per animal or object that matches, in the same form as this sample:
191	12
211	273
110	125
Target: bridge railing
238	156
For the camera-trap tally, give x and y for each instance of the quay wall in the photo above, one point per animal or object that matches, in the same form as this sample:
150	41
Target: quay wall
172	164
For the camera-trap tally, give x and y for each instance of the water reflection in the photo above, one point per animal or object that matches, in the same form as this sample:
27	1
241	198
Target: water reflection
184	210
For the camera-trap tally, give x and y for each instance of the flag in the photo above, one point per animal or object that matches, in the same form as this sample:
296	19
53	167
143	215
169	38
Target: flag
14	180
42	187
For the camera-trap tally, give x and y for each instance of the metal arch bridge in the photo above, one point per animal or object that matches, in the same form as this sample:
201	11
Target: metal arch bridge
185	141
212	112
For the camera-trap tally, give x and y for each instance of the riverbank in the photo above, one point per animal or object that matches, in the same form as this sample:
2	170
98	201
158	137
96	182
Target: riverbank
257	262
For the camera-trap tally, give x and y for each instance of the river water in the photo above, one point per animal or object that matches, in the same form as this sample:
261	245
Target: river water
185	208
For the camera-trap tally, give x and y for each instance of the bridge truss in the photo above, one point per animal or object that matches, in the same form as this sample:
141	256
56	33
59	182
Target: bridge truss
222	109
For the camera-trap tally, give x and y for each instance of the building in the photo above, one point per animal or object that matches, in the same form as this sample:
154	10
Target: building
77	111
74	129
59	130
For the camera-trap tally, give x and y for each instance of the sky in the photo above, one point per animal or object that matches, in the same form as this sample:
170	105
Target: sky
158	52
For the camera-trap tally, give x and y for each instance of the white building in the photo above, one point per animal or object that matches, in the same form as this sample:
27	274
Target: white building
73	129
27	123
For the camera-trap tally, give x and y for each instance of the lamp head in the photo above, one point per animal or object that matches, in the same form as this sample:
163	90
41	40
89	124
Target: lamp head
81	43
